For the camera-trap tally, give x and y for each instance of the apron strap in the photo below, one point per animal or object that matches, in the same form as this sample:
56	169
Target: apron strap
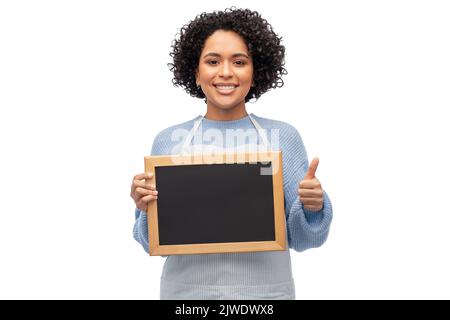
188	140
261	131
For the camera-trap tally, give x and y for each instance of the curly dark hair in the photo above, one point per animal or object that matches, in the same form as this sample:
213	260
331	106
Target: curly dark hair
263	44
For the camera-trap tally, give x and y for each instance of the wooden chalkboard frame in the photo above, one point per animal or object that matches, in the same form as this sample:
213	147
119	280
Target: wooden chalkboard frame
274	157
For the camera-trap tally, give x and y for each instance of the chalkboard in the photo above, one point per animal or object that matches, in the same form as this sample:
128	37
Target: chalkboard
232	204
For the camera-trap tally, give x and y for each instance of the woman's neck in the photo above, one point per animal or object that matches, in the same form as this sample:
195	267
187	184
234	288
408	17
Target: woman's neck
218	114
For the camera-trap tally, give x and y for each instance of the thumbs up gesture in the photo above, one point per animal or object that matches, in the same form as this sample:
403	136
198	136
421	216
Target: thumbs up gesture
310	189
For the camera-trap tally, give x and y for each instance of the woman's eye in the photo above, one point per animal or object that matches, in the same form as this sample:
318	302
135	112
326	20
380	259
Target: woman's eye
215	62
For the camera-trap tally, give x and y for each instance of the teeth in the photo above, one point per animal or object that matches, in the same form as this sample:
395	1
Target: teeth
226	87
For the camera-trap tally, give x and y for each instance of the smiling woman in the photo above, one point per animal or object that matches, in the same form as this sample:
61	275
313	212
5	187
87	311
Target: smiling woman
227	58
252	36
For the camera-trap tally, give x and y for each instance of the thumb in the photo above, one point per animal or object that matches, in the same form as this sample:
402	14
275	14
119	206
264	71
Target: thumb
311	173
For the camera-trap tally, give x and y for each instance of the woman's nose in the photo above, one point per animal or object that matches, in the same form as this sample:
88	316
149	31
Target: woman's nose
225	70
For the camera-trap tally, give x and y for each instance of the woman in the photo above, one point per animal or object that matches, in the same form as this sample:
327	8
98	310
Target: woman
228	58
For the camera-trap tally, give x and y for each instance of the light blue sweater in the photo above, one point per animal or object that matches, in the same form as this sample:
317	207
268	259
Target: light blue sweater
257	275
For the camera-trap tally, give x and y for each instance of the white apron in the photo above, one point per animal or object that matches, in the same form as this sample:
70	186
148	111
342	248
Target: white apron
222	276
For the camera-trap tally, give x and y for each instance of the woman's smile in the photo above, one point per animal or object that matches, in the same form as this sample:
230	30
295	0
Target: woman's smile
226	89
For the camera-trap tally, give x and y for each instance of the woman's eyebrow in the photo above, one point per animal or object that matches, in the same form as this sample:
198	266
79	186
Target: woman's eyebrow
215	54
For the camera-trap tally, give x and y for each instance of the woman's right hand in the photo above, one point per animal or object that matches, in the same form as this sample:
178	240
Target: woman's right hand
143	190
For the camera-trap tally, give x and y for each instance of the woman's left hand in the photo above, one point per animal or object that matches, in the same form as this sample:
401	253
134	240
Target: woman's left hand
310	189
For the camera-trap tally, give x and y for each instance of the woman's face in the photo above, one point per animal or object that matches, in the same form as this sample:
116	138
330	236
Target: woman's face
225	71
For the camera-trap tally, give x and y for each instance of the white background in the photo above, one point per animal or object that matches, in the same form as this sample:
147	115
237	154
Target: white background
85	87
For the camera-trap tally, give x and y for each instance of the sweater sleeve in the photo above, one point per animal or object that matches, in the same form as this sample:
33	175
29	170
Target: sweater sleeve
140	229
305	229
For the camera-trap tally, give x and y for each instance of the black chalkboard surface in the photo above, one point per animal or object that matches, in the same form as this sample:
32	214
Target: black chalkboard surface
214	203
216	207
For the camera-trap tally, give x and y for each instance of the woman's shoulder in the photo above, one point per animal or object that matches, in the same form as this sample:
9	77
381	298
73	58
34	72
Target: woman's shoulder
166	138
284	127
183	126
